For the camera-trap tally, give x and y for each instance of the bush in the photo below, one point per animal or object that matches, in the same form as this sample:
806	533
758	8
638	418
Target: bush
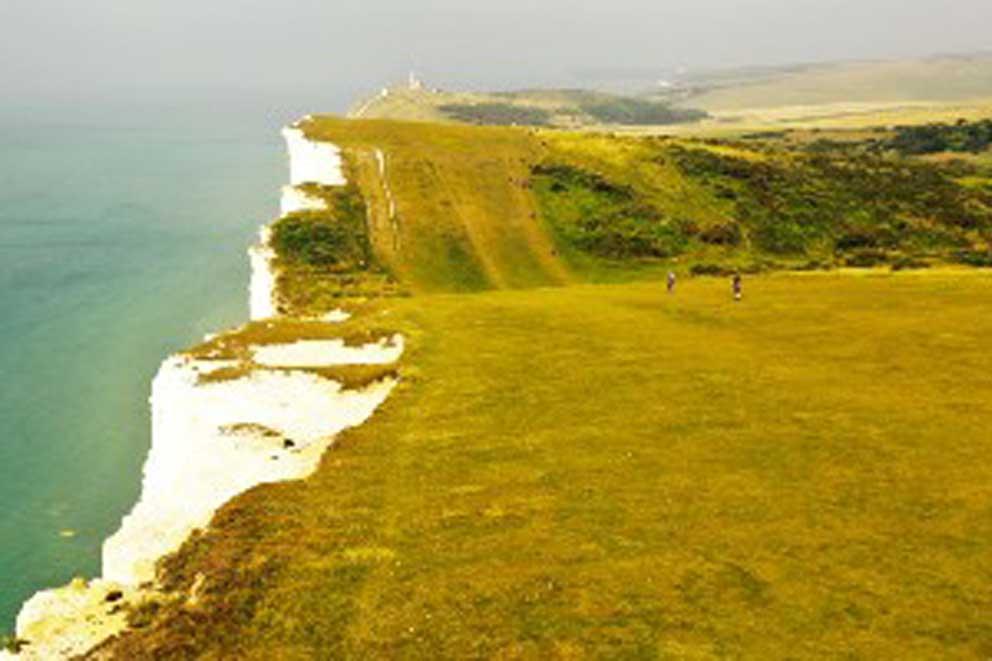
866	258
978	258
336	238
791	206
727	234
973	137
12	644
706	269
909	264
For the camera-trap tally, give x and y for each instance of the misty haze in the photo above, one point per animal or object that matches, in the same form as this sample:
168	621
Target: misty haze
516	330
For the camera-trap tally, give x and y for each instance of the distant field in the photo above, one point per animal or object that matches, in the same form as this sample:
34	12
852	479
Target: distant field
610	472
944	79
552	108
828	117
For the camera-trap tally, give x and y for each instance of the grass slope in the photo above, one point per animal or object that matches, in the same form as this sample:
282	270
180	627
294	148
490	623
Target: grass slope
561	108
605	471
448	209
946	78
444	208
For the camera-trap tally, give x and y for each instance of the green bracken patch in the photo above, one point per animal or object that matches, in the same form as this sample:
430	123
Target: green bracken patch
497	114
842	203
335	238
591	214
326	255
633	111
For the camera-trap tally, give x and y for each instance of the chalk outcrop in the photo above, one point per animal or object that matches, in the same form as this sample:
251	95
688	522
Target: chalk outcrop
215	437
214	440
313	162
262	301
310	162
327	353
296	199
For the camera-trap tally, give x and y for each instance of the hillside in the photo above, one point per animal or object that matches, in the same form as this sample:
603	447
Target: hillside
932	79
573	463
452	208
557	108
598	471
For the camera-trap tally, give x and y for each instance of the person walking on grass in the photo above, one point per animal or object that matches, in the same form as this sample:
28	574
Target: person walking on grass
736	287
671	282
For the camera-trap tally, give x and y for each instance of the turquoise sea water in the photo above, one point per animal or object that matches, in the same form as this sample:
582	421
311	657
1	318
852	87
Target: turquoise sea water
122	239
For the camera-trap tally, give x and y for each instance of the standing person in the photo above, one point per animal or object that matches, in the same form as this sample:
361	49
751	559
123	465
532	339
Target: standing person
736	286
671	282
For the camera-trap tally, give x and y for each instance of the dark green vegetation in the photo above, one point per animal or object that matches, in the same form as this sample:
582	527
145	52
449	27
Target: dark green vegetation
497	114
761	206
973	137
335	238
627	111
609	472
326	255
594	215
844	205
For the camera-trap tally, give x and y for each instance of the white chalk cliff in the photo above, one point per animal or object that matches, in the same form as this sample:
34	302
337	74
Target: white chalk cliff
309	163
213	439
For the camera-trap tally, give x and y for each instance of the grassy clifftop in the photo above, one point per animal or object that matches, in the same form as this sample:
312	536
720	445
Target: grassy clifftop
607	471
451	208
566	108
588	471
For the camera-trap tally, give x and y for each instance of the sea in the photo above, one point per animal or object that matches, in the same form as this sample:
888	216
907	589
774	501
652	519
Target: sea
124	224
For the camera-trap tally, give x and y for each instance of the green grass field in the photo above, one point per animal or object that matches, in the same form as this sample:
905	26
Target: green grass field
611	472
576	464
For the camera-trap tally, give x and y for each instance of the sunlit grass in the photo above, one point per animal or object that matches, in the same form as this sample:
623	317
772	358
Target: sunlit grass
611	471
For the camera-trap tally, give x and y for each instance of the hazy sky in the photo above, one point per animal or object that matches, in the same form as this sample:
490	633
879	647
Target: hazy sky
349	45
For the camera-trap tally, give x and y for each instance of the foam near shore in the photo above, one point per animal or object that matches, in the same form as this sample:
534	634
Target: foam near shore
213	439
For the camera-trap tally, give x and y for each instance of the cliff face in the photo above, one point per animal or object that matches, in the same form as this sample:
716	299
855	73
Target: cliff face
220	426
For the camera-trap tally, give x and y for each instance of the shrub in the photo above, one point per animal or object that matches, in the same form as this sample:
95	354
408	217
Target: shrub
974	137
12	644
336	238
866	258
978	258
705	269
726	234
909	264
793	205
